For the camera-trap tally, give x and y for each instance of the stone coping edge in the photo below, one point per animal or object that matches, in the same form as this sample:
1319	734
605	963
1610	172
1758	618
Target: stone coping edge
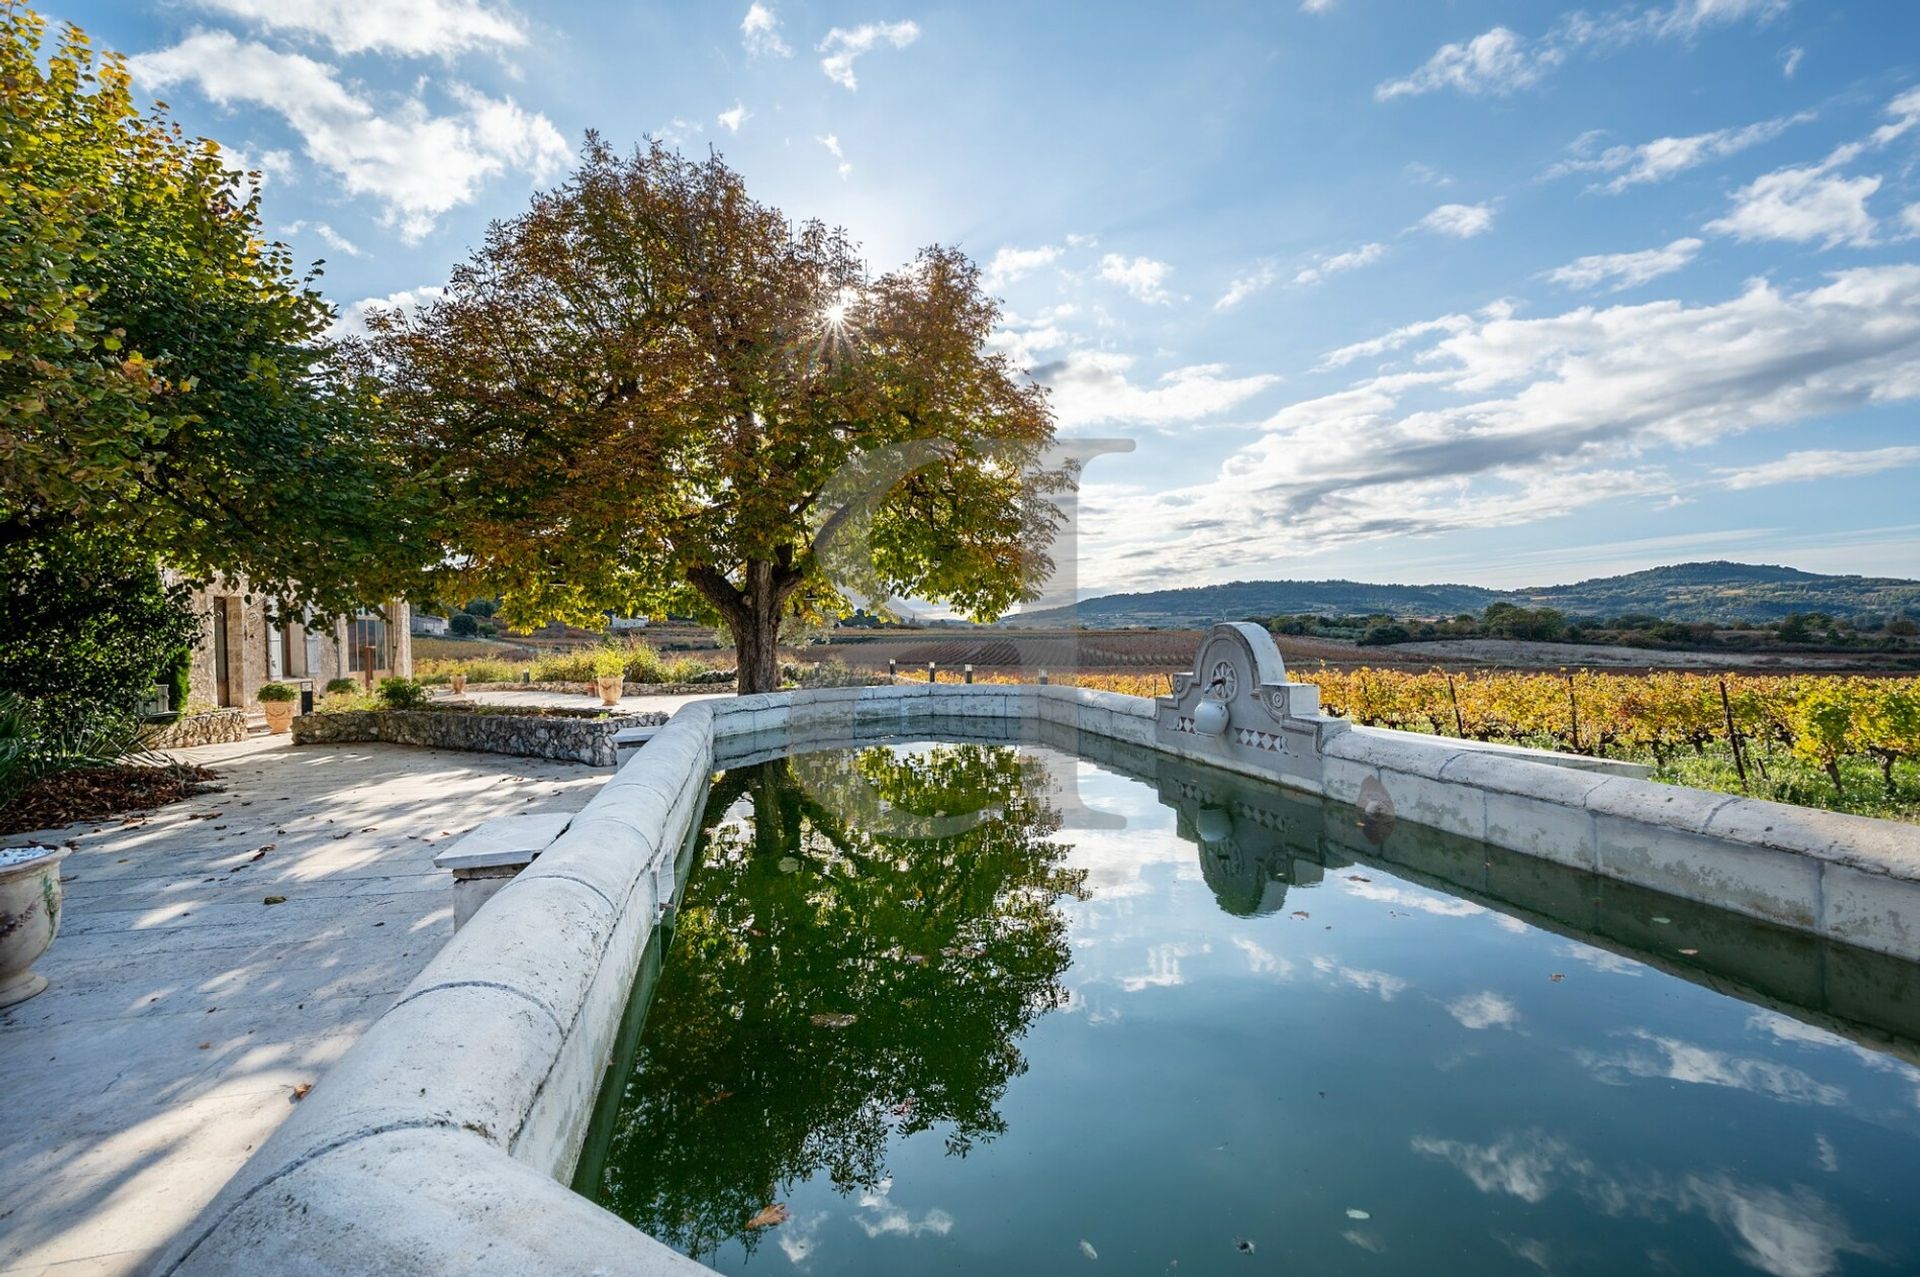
444	1140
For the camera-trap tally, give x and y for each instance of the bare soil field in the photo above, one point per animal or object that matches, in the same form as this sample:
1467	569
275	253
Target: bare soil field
1140	651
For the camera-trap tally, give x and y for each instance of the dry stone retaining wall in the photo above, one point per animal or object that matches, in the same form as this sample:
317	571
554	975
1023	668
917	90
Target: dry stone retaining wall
216	727
569	738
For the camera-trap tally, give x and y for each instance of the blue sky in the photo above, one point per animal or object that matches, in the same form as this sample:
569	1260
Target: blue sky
1494	291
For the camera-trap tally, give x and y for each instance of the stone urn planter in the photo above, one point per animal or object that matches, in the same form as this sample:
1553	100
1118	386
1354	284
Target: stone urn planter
610	688
29	916
458	682
276	702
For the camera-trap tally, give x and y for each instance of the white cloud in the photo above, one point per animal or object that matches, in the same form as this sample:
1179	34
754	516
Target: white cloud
842	46
1796	467
1317	6
1091	387
1905	111
760	33
1910	218
1462	221
1501	61
416	163
734	116
1508	421
352	321
1394	340
832	142
327	235
1802	204
1011	264
1486	1010
1664	157
412	28
1259	279
1411	898
271	166
1497	62
1145	278
1626	270
1790	60
1353	259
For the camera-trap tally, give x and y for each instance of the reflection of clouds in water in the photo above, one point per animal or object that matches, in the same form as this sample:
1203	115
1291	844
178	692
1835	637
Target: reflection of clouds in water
1412	898
1782	1028
1685	1062
1825	1156
879	1217
1262	961
1163	967
1486	1010
1117	860
1507	922
1601	959
1388	987
1788	1233
798	1237
1522	1164
1531	1249
1365	1241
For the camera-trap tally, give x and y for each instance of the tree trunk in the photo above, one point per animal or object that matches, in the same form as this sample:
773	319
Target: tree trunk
757	644
752	614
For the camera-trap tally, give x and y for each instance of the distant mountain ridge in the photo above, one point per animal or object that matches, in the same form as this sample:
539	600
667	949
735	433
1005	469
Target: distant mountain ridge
1718	591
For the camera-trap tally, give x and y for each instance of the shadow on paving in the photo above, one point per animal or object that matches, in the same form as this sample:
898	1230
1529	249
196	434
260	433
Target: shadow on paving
183	1012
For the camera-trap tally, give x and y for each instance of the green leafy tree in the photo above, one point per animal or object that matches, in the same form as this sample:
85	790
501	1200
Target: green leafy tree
163	372
650	394
86	627
856	964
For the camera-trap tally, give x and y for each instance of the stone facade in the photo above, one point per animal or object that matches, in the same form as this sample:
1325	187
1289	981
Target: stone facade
243	647
577	738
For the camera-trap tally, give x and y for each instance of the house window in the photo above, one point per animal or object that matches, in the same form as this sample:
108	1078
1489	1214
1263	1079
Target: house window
366	644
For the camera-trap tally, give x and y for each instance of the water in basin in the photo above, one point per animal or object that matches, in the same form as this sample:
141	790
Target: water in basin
907	1021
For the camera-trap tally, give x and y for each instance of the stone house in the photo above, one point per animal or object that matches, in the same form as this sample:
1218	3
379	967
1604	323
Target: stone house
242	648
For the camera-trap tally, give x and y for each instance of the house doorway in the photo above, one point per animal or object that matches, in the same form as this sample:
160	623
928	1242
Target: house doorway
222	680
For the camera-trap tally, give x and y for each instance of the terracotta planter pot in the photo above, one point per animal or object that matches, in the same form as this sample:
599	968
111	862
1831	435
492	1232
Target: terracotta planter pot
458	683
29	917
610	689
279	716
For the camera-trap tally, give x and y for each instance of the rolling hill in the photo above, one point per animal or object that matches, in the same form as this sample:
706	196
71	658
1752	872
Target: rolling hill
1717	591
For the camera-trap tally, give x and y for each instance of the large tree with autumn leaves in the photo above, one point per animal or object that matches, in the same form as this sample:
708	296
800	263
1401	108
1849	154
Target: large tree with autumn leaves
651	393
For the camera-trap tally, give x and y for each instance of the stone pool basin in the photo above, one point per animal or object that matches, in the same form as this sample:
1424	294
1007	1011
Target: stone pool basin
445	1140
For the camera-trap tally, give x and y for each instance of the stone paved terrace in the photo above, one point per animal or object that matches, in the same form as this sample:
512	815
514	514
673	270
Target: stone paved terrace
184	1012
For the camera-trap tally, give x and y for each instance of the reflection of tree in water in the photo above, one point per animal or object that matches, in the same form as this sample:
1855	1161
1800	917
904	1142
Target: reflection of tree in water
831	985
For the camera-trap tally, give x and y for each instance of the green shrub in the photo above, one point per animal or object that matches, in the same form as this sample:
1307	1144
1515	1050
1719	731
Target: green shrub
342	686
609	662
178	679
279	692
564	667
403	693
87	626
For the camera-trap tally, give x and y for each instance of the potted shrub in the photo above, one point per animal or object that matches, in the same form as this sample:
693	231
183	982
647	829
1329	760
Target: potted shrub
458	682
609	674
277	700
29	916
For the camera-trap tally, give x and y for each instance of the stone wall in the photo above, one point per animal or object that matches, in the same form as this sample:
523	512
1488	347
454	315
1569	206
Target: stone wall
216	727
574	738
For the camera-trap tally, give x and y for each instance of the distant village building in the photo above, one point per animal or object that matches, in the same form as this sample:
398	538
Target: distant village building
620	623
427	626
242	648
